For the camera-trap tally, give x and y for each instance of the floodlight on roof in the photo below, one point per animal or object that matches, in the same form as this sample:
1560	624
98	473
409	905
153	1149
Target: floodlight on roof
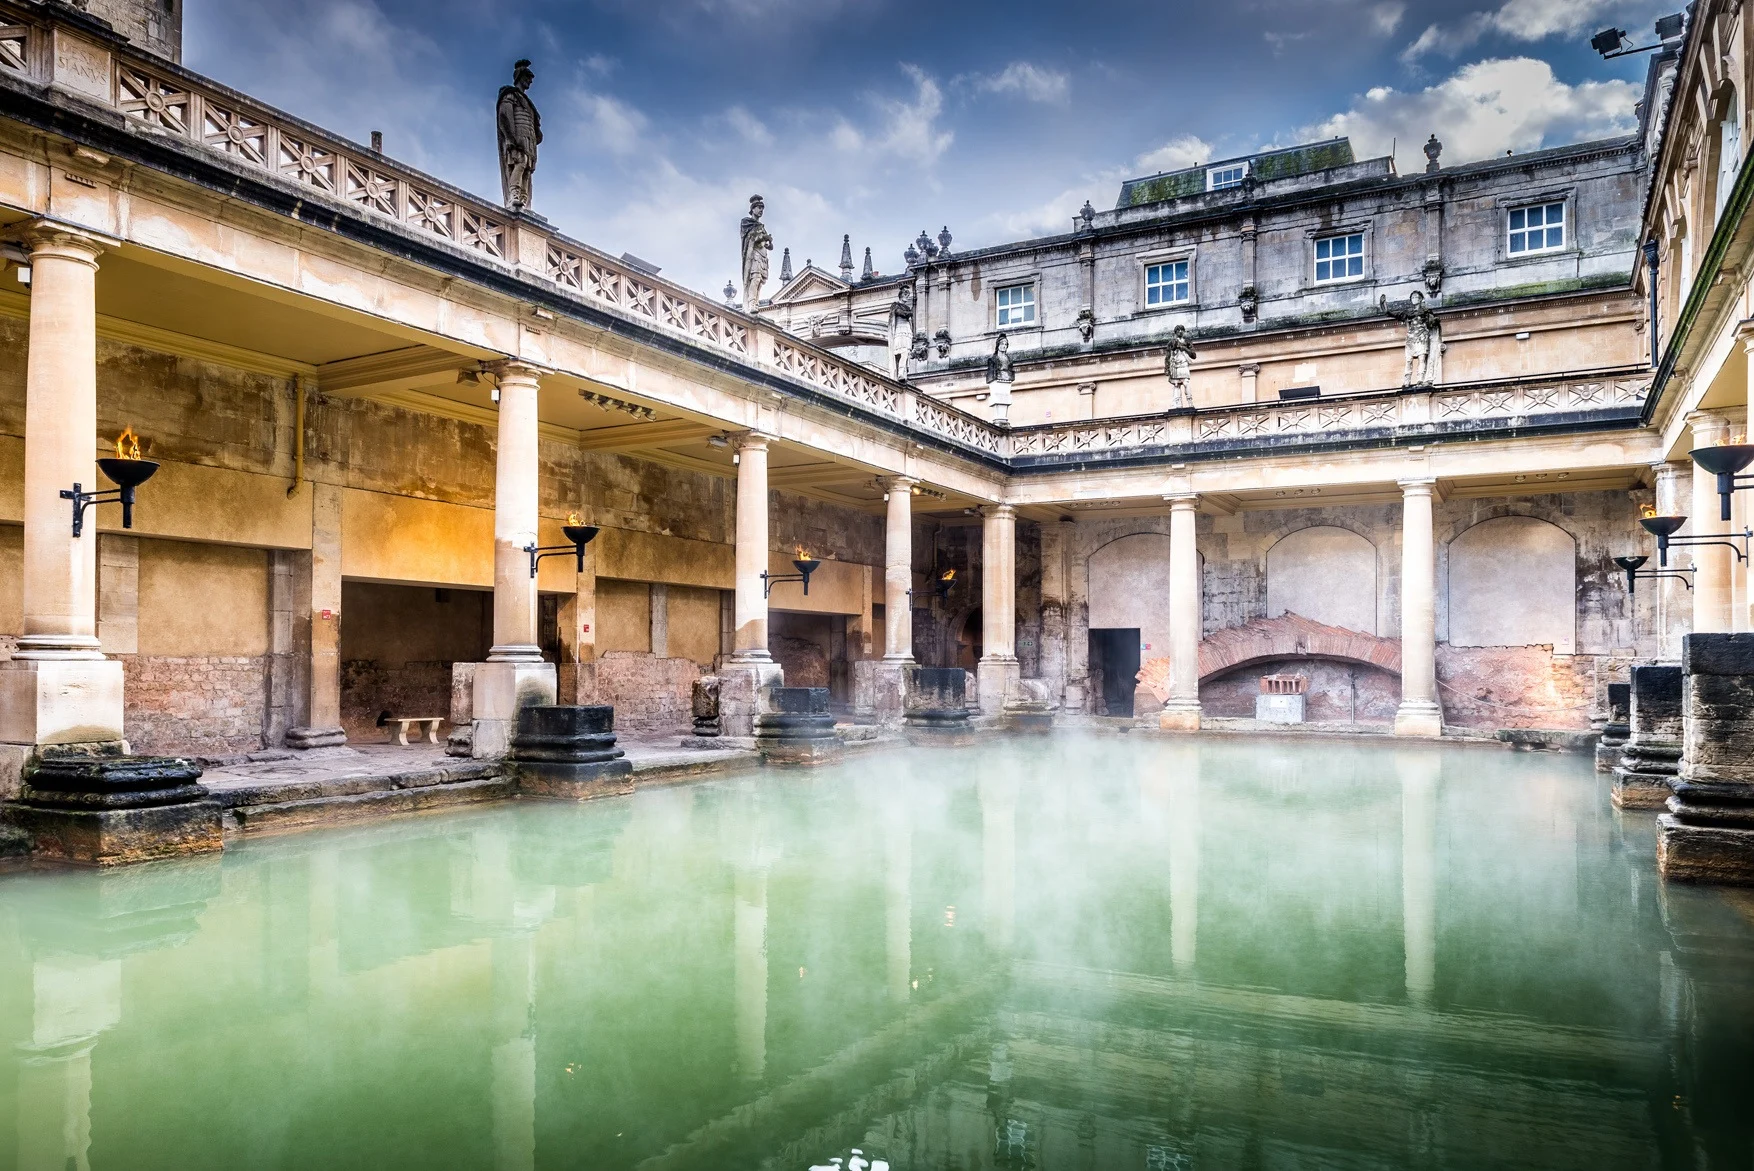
1612	42
1671	26
1609	41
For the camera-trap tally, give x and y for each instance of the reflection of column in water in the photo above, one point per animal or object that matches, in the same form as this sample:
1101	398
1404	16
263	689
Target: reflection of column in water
749	928
998	797
514	1059
75	1000
897	900
1184	862
1419	775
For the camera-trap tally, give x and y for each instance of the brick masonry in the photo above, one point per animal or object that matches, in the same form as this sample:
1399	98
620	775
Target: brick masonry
211	706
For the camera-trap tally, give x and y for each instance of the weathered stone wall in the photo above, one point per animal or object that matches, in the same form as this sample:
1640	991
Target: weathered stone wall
205	705
651	696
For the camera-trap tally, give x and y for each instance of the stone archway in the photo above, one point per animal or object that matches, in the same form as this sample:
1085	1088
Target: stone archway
1266	640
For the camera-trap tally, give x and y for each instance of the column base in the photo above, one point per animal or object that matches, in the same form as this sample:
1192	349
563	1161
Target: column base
569	751
107	809
1705	853
743	684
997	679
1180	715
798	729
61	701
1646	775
880	689
501	690
1422	719
307	738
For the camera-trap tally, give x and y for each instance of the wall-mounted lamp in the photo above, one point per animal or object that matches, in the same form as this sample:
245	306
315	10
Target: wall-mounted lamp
720	440
806	564
579	534
1725	461
1632	566
1664	528
127	470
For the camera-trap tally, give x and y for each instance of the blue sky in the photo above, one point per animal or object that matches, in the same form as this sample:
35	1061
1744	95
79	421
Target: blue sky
883	117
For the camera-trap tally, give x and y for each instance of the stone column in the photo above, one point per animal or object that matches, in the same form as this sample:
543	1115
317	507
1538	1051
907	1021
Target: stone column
750	670
1251	374
514	675
578	624
660	620
59	688
1711	563
998	670
1419	714
1652	755
879	689
1054	602
1708	833
318	724
1181	712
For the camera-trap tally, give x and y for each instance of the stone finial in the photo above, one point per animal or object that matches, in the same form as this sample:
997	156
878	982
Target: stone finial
785	266
1088	215
846	259
1433	148
870	273
944	241
911	256
730	293
928	248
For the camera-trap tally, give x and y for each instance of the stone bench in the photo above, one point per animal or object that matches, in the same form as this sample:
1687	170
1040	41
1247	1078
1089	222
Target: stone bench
403	723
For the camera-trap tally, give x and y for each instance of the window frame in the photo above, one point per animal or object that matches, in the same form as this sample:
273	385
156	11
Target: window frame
1030	281
1508	203
1566	228
1212	174
1146	261
1318	237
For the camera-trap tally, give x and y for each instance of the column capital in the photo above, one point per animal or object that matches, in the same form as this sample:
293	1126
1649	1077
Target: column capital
1249	369
1706	426
898	483
1182	501
1745	335
1417	485
998	511
751	441
46	237
515	369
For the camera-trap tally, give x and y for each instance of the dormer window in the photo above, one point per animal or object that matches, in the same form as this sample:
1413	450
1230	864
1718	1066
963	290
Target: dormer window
1225	177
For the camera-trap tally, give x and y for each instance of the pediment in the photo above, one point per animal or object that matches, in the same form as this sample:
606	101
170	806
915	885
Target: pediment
809	285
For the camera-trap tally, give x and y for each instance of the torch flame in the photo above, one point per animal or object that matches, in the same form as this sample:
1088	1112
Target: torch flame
572	518
128	445
1647	511
949	575
803	553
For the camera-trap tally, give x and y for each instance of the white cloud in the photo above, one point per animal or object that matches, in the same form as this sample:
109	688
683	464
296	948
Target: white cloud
1521	20
1483	110
1386	18
908	129
1183	151
1053	216
607	123
1038	84
748	126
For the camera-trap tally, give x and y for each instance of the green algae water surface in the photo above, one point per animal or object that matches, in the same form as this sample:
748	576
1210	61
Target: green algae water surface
1082	953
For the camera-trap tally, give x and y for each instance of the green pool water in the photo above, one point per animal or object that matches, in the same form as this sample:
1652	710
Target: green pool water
1088	953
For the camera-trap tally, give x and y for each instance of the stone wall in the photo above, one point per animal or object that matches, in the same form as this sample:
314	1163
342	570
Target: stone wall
652	696
201	705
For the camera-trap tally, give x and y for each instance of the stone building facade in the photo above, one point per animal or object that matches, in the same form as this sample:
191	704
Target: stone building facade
370	393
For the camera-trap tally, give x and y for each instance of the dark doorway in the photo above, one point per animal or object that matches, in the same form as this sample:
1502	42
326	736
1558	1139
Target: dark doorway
1114	658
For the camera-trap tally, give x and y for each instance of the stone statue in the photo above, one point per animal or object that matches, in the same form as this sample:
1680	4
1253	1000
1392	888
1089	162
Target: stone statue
1178	365
901	329
757	243
1086	323
1000	367
520	133
941	339
1249	301
1422	330
920	349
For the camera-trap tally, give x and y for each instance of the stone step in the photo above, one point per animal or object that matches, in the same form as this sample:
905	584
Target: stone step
14	843
340	808
281	791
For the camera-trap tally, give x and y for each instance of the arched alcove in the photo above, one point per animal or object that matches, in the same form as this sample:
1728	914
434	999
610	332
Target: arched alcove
1326	574
1513	582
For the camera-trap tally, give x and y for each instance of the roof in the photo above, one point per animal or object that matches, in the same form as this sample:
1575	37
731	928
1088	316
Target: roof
1267	165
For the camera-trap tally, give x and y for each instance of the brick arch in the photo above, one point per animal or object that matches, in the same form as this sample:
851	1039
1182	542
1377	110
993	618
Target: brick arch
1267	639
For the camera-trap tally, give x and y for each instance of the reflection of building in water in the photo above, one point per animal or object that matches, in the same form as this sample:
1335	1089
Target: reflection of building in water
998	796
1419	773
76	999
1184	863
749	930
898	857
514	1057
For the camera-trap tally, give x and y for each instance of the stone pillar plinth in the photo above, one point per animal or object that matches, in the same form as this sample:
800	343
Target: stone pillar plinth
1708	833
796	727
569	751
514	676
1419	713
998	671
1181	712
98	808
1617	730
1652	755
936	700
59	689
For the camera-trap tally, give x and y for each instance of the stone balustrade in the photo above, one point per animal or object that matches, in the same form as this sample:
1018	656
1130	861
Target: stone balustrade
74	55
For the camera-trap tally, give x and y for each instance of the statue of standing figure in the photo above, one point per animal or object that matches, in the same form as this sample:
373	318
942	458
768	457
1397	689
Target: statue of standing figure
1000	366
1422	332
757	244
1178	366
520	133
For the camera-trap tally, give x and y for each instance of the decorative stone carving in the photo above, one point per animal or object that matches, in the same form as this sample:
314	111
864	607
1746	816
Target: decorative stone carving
1087	323
786	267
1087	214
942	340
1433	148
921	348
1422	330
520	133
944	243
1000	366
1178	367
757	244
1250	301
706	706
1433	274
